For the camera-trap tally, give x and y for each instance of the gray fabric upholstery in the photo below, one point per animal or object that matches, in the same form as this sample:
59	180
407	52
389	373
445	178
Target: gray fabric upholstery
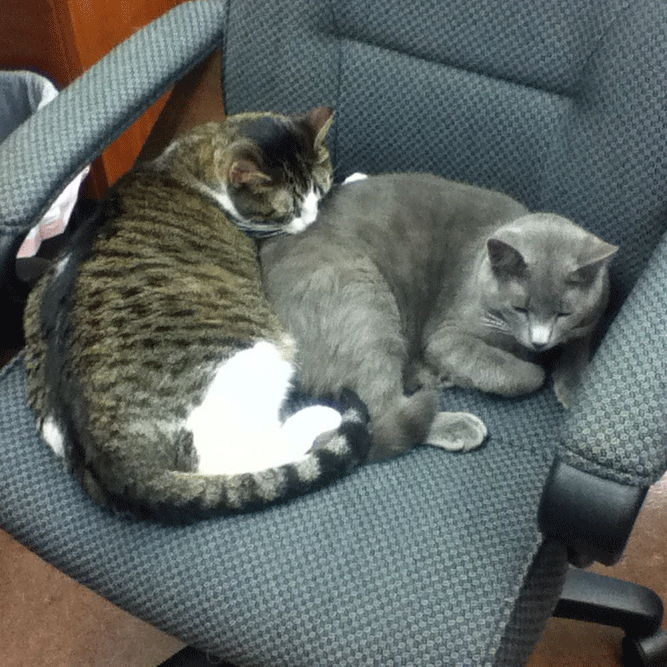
560	104
618	427
399	564
534	604
431	558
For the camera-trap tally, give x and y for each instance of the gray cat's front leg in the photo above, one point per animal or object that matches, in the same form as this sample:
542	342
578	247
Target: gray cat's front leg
569	368
464	360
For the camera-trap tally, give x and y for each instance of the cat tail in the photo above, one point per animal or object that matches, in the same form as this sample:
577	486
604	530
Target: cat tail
415	420
404	424
180	496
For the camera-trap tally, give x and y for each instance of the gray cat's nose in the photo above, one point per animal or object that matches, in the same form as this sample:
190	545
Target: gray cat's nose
540	335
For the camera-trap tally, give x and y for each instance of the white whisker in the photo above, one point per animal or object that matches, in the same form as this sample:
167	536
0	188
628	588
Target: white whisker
495	322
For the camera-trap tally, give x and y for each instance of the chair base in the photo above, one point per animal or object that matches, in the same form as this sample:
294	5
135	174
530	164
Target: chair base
637	610
192	657
648	651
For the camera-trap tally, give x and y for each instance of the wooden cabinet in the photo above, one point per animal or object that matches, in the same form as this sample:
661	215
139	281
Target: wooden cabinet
62	39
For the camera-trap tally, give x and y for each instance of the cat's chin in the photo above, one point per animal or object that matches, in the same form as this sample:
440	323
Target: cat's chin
308	214
541	348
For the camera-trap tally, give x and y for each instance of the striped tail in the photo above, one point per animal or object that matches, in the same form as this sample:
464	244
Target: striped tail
186	496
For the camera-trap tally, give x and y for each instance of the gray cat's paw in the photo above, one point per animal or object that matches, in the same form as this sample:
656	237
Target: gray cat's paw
457	431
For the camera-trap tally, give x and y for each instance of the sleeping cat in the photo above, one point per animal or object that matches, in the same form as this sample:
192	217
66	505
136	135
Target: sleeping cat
155	365
406	279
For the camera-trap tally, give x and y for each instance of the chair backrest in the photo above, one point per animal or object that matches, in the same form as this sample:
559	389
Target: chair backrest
561	103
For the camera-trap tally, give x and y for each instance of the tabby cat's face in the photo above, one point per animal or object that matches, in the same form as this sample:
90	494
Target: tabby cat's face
295	171
266	170
548	281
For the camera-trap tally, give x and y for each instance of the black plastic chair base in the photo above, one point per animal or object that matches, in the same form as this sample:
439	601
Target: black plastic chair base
635	609
648	651
192	657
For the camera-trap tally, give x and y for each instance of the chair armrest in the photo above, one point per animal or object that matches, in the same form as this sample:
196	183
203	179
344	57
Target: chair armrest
615	437
42	155
590	515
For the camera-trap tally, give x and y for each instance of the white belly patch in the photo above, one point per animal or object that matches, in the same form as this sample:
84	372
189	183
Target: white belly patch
237	427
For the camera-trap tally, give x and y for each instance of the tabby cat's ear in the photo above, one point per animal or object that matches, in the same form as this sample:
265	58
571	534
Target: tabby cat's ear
319	121
505	260
597	256
245	171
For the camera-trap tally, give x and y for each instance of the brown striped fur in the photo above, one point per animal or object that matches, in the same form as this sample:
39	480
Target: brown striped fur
125	332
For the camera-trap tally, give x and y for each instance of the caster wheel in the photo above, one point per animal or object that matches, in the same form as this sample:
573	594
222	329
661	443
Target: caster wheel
648	651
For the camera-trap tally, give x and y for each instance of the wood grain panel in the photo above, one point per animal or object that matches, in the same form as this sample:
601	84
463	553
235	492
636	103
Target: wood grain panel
62	39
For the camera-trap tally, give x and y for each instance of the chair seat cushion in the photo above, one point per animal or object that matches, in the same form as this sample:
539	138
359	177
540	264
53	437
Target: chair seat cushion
418	560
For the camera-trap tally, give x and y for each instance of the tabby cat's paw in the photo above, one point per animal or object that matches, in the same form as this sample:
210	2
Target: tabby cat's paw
457	431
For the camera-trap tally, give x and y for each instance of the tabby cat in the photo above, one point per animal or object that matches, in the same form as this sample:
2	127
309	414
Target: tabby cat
155	365
407	279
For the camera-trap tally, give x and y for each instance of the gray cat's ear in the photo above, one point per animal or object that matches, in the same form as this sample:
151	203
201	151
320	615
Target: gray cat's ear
505	259
319	121
597	257
601	251
245	171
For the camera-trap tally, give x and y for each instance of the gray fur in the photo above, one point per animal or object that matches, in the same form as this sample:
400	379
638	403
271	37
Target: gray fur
393	287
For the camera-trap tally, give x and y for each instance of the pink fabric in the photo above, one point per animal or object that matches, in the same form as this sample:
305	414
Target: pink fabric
55	219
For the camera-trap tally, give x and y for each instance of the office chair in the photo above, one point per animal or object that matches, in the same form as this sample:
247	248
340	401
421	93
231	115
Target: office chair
430	558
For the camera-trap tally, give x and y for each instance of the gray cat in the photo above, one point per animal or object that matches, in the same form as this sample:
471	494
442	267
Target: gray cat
409	280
